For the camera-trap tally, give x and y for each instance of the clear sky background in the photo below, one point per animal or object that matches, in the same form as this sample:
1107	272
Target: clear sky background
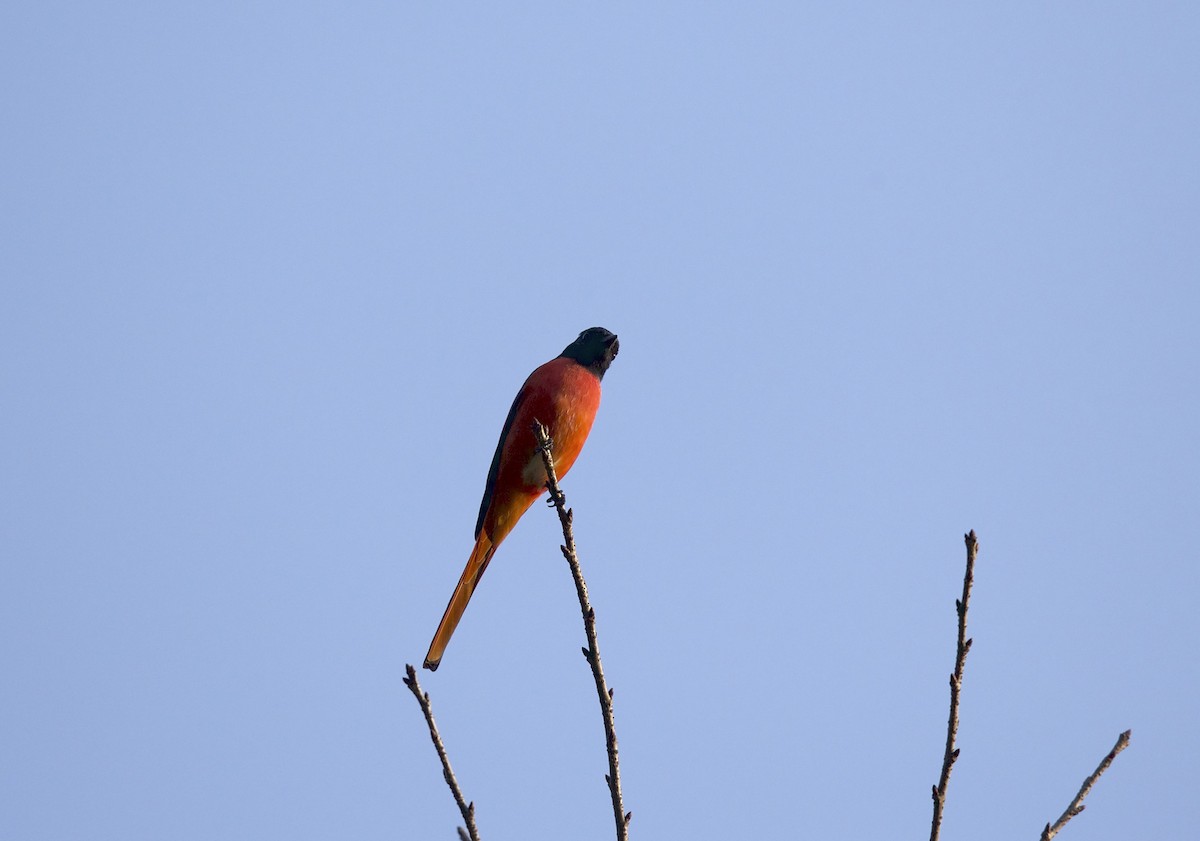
882	273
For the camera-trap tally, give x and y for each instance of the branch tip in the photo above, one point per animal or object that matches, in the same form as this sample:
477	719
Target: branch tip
1076	806
468	811
950	755
592	650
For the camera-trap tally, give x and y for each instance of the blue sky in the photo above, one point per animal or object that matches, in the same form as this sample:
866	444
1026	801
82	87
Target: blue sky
272	274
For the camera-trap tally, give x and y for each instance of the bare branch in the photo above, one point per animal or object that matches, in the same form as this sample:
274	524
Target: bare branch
960	659
592	652
467	809
1076	805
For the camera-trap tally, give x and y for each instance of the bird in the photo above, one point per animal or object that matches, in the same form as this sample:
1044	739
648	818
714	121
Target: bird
563	395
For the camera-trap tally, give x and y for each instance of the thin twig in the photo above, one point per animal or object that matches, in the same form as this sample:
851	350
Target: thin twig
1077	804
592	651
468	809
960	659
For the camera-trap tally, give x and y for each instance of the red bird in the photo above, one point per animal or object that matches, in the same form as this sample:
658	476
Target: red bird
563	394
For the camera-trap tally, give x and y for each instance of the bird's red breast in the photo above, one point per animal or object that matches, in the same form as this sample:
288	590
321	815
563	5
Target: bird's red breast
564	396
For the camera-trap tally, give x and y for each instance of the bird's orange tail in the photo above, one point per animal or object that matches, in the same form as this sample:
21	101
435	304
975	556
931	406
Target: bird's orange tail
476	564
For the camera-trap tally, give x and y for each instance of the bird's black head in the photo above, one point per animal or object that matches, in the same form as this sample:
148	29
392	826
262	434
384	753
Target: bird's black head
595	349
